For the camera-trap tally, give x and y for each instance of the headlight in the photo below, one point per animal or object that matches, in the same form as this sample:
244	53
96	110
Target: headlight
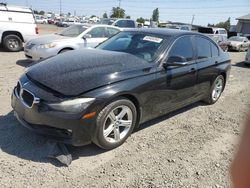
46	46
73	106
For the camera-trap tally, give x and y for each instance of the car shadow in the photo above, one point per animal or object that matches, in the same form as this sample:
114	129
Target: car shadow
20	142
241	64
25	63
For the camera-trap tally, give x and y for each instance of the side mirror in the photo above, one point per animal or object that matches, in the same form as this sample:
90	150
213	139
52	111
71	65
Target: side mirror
87	36
177	61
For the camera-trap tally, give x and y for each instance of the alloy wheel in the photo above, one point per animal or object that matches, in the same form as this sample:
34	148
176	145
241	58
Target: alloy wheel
217	90
117	124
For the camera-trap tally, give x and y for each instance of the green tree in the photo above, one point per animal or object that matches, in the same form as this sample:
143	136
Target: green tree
41	12
140	20
155	16
226	25
117	12
105	15
128	17
92	16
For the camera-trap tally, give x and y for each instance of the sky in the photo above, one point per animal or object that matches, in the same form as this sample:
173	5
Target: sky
204	11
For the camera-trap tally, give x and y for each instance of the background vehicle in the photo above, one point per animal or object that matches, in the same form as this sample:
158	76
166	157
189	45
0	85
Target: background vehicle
239	43
17	25
67	23
221	32
123	23
224	44
71	38
41	19
100	95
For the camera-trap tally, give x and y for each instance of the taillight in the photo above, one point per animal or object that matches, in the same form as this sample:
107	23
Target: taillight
36	29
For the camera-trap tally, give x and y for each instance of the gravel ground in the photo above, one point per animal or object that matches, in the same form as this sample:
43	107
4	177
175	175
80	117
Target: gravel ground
192	147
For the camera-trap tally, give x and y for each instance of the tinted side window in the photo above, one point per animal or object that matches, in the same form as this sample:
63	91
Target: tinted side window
111	32
130	23
120	23
97	32
202	47
182	48
215	51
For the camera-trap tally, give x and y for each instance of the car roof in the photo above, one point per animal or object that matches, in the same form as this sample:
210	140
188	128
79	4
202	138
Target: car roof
98	25
5	7
163	31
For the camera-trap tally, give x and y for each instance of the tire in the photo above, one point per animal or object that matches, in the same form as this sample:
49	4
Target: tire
215	90
12	43
111	128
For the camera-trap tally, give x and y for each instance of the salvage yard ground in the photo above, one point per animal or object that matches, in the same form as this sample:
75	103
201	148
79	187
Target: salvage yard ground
192	147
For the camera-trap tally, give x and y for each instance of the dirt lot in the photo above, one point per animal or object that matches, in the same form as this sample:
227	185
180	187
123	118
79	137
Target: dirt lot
192	147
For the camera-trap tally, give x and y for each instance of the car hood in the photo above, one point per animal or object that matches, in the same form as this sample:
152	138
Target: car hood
235	43
79	71
48	39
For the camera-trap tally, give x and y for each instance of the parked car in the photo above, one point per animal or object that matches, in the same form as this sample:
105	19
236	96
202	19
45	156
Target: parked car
221	32
17	25
247	62
239	43
41	19
123	23
100	95
71	38
68	23
224	44
51	21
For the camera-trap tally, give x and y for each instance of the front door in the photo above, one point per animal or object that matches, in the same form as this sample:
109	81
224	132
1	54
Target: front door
176	84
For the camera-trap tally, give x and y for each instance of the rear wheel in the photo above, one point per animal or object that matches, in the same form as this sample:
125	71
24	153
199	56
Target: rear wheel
12	43
216	90
115	123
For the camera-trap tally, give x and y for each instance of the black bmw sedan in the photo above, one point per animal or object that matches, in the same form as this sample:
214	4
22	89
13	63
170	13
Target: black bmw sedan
100	95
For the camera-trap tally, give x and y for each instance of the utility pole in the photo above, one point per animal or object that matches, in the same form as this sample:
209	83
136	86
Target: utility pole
192	20
60	7
27	3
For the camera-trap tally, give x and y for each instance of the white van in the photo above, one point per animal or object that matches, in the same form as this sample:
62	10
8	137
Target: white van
17	25
220	32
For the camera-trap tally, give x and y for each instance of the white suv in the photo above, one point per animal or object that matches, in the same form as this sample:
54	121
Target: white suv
17	25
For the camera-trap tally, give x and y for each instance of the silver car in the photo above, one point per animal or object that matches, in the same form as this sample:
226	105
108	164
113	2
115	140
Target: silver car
71	38
239	43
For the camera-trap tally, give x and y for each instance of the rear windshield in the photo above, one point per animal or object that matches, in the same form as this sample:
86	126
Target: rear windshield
73	31
143	45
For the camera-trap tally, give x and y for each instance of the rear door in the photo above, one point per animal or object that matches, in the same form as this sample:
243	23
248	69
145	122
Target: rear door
207	54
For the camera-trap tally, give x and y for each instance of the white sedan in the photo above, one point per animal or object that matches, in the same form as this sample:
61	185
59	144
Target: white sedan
71	38
239	43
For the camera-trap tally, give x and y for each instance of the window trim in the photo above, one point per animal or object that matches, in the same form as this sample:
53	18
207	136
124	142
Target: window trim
211	41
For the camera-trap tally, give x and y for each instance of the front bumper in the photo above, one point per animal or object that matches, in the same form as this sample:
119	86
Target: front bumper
38	54
62	128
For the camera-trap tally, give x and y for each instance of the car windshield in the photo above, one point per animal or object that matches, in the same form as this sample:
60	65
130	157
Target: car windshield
143	45
238	39
73	31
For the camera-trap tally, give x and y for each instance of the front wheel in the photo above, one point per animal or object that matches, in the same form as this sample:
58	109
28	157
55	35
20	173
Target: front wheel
12	43
115	123
216	90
